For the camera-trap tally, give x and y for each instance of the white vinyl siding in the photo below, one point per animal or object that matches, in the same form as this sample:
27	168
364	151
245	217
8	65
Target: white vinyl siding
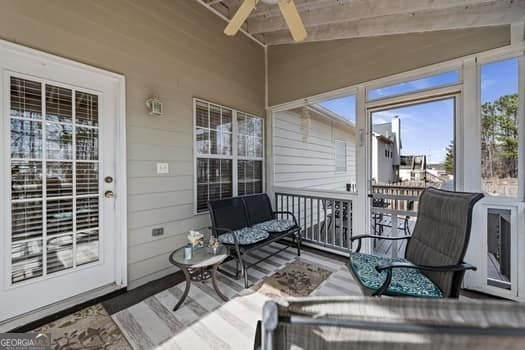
340	157
304	152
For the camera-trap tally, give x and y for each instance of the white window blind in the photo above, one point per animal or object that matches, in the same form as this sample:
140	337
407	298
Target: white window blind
217	160
54	178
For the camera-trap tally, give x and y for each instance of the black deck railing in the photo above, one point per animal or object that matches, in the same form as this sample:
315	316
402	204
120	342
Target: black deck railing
325	221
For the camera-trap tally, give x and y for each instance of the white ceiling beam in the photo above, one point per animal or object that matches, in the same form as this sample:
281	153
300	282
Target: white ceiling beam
357	9
268	11
503	12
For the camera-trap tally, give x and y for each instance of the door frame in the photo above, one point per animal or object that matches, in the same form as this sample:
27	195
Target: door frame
454	92
120	185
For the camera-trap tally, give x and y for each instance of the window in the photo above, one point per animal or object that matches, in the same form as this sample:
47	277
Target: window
340	157
433	81
345	107
499	128
216	157
54	161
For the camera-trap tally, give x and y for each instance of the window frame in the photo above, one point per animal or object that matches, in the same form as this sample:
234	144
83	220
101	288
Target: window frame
345	157
405	78
491	59
234	157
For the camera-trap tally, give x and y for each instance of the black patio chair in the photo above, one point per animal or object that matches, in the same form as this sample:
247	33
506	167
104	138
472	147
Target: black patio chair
433	266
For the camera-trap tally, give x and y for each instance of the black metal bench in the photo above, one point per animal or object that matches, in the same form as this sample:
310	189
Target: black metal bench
235	220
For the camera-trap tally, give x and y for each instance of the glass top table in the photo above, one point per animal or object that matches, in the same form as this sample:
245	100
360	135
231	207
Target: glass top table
200	256
202	259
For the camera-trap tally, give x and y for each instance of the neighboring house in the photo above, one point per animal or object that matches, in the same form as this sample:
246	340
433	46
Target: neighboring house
386	151
414	168
314	148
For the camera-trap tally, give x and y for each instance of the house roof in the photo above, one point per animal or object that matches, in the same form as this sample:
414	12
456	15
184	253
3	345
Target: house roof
384	129
327	114
341	19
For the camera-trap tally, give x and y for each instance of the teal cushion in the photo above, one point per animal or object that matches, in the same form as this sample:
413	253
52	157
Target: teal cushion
275	225
405	281
246	235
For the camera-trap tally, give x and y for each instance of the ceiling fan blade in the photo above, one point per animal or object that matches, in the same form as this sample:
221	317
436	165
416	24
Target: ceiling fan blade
293	20
240	16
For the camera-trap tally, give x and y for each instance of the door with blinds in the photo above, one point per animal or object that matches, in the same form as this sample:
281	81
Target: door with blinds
58	183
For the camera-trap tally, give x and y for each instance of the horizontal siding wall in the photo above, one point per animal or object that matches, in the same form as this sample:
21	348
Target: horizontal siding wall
304	152
342	63
174	49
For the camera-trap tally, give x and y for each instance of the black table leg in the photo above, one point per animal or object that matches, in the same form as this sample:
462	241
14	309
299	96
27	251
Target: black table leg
187	289
214	282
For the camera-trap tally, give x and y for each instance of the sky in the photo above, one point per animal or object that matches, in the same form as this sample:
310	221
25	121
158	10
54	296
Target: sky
428	128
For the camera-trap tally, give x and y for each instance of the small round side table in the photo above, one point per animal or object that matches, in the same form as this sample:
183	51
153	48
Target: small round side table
202	259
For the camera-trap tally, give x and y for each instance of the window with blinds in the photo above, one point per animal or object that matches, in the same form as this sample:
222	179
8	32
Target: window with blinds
222	170
250	177
54	178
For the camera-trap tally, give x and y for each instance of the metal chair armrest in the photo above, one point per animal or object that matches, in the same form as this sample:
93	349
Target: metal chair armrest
443	268
360	237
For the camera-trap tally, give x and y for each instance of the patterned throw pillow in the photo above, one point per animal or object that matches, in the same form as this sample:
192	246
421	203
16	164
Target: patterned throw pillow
276	225
405	281
246	235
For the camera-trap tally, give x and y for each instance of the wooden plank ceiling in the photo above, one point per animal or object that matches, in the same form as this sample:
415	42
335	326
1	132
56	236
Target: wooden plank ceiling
340	19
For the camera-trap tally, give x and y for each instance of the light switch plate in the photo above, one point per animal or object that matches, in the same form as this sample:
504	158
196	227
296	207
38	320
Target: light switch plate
163	168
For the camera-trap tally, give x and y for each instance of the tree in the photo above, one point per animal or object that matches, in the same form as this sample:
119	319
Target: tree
499	137
450	161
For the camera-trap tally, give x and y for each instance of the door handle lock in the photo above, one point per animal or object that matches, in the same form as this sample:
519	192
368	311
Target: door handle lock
109	194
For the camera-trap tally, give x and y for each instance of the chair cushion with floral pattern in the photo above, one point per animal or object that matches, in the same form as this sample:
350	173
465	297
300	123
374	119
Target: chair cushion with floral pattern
405	281
275	225
245	236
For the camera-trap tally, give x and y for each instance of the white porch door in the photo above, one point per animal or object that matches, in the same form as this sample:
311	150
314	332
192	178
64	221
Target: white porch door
58	166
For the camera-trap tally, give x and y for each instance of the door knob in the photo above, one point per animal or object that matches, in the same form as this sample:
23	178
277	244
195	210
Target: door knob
109	194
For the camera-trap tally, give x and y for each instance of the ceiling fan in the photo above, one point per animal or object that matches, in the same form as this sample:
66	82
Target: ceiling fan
287	7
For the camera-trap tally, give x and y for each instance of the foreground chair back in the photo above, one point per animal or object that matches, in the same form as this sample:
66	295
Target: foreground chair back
433	266
338	323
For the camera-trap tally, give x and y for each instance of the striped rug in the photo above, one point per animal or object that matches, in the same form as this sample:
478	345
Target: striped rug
207	322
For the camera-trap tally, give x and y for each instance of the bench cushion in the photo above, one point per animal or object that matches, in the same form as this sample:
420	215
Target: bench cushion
405	281
246	235
275	225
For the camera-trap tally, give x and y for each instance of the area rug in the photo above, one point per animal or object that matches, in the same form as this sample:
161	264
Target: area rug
296	279
90	328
